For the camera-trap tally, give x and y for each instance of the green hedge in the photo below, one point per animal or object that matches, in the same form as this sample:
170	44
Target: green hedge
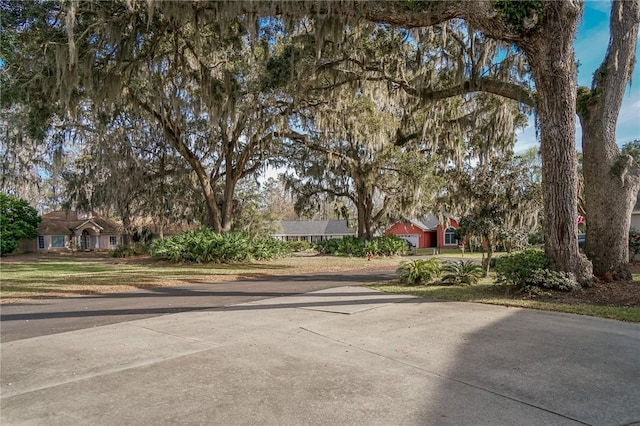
352	246
529	272
204	246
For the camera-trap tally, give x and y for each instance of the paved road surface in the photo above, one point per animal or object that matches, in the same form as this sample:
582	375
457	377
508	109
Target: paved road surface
327	353
49	316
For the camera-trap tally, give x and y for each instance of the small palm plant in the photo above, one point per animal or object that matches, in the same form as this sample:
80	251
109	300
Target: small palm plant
461	272
418	271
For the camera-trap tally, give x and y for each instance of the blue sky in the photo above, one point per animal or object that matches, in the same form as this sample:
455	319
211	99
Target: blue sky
590	46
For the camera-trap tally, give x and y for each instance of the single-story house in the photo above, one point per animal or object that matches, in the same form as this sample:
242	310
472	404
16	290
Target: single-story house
313	231
426	232
61	230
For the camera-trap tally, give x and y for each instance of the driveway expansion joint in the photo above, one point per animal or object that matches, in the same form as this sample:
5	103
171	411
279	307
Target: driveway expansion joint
446	377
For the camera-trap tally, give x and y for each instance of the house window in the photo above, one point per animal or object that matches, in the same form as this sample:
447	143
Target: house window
41	242
58	241
450	237
113	240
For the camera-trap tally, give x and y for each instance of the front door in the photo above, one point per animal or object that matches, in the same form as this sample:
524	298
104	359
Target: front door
85	241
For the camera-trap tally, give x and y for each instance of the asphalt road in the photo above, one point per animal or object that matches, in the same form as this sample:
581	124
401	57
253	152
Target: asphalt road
51	316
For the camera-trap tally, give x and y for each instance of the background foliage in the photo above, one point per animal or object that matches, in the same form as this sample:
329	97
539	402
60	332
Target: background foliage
17	220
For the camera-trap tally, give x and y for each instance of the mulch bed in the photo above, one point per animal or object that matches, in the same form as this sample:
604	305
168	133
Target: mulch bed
614	293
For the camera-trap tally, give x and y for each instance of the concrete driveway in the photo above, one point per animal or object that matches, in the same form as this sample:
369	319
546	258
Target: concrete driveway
346	356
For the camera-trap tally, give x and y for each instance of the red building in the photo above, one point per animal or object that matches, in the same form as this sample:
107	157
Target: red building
426	232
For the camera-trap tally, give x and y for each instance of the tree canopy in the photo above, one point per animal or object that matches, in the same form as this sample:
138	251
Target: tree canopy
18	220
221	79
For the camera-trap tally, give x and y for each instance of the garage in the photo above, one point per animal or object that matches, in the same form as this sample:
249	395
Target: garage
412	239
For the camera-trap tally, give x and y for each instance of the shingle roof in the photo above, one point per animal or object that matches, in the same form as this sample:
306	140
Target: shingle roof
429	222
314	227
63	223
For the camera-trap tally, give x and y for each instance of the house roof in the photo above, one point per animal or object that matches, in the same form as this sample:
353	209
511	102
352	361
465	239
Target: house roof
63	223
314	227
428	222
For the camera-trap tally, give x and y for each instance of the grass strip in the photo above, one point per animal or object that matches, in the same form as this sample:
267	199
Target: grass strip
491	294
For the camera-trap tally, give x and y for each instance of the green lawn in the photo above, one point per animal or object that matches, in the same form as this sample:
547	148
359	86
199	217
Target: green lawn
486	292
68	276
59	277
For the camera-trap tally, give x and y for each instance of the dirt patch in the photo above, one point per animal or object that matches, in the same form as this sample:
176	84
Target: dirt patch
614	293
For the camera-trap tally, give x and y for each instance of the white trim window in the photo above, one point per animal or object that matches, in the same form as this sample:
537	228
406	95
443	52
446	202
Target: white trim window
450	237
41	245
58	241
113	240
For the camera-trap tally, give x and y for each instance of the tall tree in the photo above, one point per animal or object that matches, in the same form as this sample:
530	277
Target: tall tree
125	167
198	80
544	31
612	178
497	201
351	155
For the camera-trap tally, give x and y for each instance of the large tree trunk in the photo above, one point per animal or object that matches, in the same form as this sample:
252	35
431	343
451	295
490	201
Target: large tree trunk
611	180
173	134
547	40
551	56
364	207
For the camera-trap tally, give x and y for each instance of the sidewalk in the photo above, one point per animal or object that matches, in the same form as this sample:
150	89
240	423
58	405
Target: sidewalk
348	355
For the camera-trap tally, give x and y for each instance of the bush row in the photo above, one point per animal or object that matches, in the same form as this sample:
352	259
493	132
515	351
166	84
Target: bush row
352	246
204	245
134	249
528	271
429	271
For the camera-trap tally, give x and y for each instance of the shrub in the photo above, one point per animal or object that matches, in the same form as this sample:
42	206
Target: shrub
516	268
134	249
390	245
461	272
17	220
352	246
204	245
328	246
300	246
529	272
265	248
551	280
418	271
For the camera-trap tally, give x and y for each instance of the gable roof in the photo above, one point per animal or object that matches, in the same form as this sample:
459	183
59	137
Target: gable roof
429	222
89	222
63	223
314	227
426	223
